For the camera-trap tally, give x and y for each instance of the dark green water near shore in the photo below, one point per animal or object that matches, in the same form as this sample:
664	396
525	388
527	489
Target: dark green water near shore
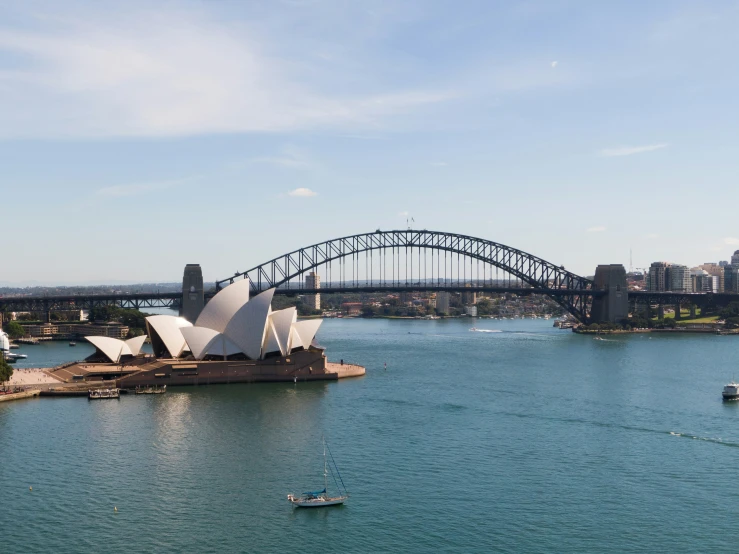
529	439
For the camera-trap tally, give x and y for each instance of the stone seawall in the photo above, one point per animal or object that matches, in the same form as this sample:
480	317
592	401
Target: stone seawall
18	395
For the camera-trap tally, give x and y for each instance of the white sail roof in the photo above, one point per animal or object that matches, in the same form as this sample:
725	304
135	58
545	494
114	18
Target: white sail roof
295	341
221	346
247	327
112	348
199	340
4	342
307	330
222	307
136	343
271	344
168	328
281	323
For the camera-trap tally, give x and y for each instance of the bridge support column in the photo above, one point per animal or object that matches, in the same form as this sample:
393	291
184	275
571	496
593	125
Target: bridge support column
193	296
678	313
661	312
614	304
693	311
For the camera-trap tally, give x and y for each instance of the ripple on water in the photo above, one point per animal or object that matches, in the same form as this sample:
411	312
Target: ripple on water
526	440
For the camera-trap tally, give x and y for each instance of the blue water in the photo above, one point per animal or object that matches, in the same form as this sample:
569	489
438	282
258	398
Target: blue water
530	439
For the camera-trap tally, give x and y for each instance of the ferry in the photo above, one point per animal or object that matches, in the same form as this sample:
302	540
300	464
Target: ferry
731	391
100	394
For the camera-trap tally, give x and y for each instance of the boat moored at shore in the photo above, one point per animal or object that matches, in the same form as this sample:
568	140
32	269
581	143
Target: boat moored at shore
102	394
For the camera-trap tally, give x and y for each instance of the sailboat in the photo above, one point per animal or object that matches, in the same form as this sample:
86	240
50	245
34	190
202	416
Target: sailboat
318	499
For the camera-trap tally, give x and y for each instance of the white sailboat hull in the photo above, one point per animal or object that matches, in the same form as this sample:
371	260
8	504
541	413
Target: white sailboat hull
317	502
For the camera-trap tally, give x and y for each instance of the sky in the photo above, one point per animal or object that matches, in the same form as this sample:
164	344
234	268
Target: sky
136	137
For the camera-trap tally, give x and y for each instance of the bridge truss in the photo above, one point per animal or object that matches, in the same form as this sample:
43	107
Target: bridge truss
413	260
45	304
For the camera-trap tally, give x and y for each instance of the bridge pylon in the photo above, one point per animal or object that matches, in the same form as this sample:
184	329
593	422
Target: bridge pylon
612	306
193	296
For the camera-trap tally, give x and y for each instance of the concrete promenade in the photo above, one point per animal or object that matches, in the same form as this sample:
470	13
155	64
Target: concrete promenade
345	370
31	377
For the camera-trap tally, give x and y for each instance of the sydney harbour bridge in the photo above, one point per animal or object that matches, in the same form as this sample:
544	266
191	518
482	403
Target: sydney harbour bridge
412	261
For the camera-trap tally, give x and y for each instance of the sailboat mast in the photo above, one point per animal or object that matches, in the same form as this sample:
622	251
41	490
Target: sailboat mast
325	468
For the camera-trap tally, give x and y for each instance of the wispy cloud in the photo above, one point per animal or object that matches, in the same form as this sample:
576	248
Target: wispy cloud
290	157
303	192
403	214
554	64
630	150
598	229
171	72
284	162
731	241
439	164
652	236
133	189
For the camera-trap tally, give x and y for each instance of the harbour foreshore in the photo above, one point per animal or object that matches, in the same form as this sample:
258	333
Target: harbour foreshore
76	378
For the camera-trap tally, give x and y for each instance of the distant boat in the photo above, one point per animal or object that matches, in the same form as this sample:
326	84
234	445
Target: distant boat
731	391
319	499
12	357
72	343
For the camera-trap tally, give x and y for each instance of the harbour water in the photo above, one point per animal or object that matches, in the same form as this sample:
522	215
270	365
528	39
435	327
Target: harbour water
517	437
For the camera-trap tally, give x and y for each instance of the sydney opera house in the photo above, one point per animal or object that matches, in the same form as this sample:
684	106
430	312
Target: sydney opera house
234	339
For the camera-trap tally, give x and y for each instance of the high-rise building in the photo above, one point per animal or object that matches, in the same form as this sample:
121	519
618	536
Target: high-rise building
735	257
679	278
658	278
715	284
313	281
717	271
442	302
731	278
700	280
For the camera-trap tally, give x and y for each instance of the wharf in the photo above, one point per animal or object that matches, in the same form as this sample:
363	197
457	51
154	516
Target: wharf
18	395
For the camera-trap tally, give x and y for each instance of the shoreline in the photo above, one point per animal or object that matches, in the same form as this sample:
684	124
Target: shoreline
722	332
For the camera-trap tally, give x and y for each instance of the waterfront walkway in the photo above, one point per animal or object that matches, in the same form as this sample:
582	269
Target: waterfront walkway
31	377
345	370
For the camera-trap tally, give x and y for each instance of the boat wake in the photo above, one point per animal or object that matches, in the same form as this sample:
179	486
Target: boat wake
476	330
715	440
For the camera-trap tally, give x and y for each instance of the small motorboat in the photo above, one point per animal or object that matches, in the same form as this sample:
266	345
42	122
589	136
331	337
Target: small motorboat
731	391
319	499
72	343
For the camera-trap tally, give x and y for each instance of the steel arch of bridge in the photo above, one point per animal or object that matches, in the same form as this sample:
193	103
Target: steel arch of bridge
570	290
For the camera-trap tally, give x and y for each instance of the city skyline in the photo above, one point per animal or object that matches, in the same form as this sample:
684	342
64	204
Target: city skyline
179	134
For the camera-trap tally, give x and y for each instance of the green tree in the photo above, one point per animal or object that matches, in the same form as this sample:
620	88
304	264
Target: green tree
5	370
14	329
